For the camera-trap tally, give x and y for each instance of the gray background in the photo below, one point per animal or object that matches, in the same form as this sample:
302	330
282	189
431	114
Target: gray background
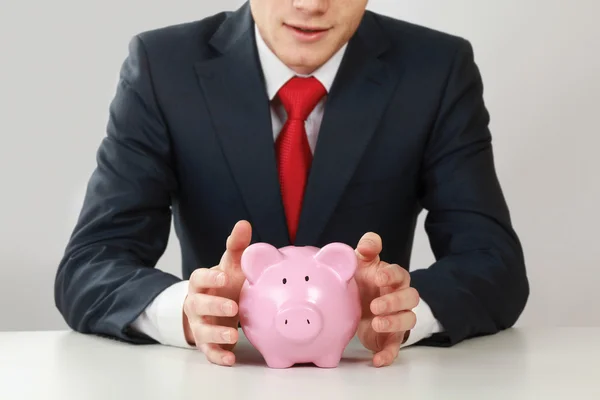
59	65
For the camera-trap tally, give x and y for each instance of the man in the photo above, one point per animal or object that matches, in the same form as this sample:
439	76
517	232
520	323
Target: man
294	122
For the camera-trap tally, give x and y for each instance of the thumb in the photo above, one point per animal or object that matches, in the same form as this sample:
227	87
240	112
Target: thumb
368	249
237	242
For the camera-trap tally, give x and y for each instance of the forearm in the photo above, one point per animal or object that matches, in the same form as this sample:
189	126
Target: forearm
101	290
472	294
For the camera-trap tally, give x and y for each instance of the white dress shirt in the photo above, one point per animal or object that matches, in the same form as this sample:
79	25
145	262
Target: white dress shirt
163	318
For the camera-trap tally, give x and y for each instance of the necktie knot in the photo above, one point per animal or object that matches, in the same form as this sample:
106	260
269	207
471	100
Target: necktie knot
300	96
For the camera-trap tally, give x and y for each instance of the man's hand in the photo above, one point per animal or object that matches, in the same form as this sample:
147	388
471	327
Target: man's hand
211	306
387	302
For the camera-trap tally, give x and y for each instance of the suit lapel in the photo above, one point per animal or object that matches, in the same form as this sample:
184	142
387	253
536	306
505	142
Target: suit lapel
237	100
356	102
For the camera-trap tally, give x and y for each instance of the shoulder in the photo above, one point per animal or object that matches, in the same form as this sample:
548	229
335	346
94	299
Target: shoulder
404	29
413	35
420	45
184	40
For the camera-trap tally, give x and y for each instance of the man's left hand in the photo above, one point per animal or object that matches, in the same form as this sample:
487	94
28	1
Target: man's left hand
387	301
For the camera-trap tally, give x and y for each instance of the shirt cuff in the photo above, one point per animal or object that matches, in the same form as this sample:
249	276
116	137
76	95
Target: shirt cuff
162	320
426	324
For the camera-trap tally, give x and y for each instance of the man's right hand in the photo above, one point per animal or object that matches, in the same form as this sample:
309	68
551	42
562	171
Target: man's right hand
210	310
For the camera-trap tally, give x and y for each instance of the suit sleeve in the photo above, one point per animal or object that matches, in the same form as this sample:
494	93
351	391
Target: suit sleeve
107	276
478	283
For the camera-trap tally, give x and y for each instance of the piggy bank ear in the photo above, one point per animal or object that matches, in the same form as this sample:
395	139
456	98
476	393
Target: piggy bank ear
339	257
258	257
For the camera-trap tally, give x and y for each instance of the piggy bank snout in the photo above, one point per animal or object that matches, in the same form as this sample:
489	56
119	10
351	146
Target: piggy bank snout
299	322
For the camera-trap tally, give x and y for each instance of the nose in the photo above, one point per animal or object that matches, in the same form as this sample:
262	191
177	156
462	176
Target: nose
299	323
311	6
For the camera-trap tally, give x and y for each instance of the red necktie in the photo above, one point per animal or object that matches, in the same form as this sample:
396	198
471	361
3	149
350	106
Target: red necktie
299	97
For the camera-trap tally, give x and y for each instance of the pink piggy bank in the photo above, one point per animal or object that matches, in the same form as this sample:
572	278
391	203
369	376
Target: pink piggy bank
299	304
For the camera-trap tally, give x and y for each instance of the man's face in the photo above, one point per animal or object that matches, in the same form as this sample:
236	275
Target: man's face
304	34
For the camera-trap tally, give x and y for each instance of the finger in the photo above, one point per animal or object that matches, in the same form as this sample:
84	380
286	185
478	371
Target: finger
217	355
207	333
400	300
237	242
390	351
392	275
206	305
366	275
397	322
368	249
205	278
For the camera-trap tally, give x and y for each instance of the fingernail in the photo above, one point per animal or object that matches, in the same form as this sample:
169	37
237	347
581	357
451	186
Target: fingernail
380	307
221	279
226	335
227	308
227	360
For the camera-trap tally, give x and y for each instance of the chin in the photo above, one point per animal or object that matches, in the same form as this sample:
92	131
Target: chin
304	63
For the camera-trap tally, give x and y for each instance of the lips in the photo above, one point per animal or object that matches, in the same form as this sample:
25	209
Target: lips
307	34
304	29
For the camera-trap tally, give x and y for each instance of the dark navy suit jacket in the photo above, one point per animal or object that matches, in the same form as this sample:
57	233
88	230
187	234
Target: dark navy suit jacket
189	137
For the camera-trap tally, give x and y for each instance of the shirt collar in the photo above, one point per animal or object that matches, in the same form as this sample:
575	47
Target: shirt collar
277	73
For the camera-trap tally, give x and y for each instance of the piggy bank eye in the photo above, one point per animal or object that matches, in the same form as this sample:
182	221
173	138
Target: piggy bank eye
284	281
306	278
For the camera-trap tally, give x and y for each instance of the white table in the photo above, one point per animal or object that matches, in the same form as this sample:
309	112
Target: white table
517	364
